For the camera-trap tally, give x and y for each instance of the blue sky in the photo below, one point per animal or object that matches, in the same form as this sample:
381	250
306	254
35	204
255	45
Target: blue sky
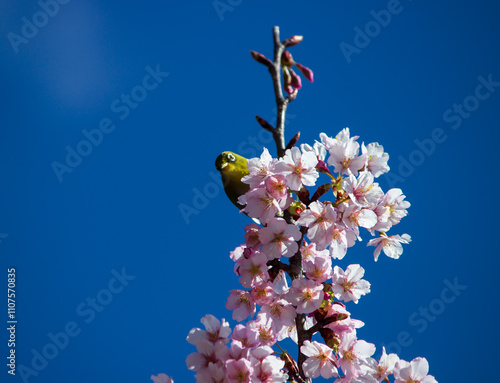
159	89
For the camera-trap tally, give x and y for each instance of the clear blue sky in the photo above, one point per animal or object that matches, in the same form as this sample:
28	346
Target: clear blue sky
171	85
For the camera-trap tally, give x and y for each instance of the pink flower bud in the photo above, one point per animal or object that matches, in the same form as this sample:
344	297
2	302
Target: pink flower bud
296	81
306	72
322	167
260	58
287	59
294	40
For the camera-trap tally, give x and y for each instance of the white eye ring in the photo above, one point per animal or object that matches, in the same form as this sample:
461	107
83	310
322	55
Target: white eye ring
231	158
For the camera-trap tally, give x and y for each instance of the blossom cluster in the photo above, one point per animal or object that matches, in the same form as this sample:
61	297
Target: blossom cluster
298	224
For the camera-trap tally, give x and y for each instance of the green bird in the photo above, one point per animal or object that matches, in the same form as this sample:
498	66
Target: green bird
233	168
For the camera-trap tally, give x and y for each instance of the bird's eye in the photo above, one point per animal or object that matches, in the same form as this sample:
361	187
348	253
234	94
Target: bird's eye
231	158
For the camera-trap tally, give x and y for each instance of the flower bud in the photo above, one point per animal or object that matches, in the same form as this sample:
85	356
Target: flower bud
266	125
296	81
321	191
331	339
306	72
260	58
287	59
293	141
296	208
294	40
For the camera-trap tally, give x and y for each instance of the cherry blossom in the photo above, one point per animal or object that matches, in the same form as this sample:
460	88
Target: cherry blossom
362	191
259	169
241	303
298	168
279	238
319	268
353	354
276	186
413	372
312	234
348	285
253	270
344	153
239	371
320	361
306	295
214	331
376	159
318	218
390	245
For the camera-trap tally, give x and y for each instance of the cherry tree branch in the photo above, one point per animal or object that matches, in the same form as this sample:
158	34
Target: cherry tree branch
294	269
274	68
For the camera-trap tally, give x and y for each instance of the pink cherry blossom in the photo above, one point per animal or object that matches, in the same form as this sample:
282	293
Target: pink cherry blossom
215	373
263	325
319	268
276	186
238	350
241	303
214	331
252	236
385	366
281	312
279	238
309	252
253	270
391	245
298	168
353	353
318	148
320	361
318	218
413	372
263	293
376	159
206	353
362	191
267	367
306	295
348	285
344	153
342	326
339	239
354	217
239	371
390	210
259	169
260	204
248	337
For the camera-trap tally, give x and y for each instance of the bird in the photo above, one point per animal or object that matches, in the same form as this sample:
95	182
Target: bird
232	168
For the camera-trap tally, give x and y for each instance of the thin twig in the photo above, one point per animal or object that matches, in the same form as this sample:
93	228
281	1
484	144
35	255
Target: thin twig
281	102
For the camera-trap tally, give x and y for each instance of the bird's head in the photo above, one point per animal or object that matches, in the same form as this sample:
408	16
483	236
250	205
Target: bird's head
229	161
